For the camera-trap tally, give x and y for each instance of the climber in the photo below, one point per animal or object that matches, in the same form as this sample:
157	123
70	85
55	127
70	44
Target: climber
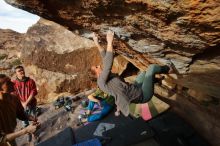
139	92
11	109
103	100
25	89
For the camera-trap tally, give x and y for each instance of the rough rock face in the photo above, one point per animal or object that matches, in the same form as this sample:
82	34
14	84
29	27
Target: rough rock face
9	50
175	30
57	59
186	32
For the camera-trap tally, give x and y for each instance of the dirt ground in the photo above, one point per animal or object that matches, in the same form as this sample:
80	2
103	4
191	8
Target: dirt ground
52	122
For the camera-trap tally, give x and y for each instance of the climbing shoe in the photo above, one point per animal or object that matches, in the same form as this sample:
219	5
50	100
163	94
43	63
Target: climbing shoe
159	80
172	68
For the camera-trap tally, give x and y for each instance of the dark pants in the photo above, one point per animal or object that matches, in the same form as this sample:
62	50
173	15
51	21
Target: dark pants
145	80
29	111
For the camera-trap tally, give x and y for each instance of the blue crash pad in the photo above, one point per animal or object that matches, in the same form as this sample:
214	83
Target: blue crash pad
91	142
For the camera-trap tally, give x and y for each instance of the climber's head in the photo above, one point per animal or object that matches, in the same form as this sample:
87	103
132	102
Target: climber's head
96	70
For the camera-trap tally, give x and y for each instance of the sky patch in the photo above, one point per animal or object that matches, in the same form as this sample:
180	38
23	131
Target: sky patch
15	19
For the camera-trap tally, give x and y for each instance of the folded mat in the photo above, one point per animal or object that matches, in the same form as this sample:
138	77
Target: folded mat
148	110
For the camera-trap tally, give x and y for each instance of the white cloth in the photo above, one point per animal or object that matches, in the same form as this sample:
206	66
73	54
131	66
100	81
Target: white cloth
102	127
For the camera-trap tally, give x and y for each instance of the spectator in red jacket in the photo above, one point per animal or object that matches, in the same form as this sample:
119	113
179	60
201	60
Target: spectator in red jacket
25	89
10	109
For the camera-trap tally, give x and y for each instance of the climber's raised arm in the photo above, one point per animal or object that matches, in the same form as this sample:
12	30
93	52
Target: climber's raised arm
96	41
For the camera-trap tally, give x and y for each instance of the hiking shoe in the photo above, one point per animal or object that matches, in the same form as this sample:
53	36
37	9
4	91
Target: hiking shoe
59	103
68	108
68	104
38	111
67	101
